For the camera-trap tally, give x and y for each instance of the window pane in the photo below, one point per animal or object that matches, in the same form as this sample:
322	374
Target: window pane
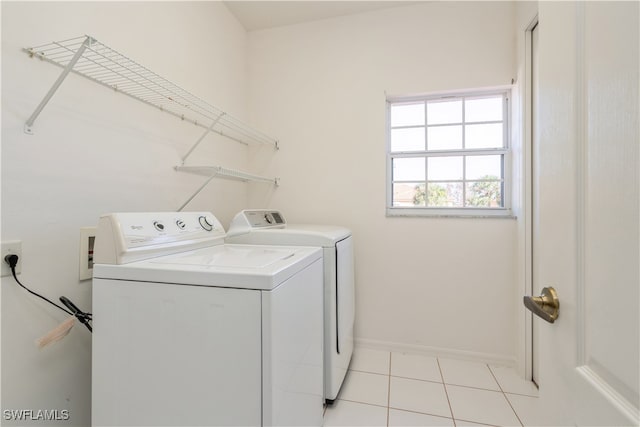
483	136
483	167
445	168
411	139
483	109
444	194
444	138
408	194
407	115
443	112
409	169
484	194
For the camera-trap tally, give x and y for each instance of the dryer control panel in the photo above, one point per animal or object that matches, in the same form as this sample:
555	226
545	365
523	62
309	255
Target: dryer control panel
134	236
249	219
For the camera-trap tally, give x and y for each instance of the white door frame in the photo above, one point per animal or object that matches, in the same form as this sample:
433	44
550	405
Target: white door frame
528	199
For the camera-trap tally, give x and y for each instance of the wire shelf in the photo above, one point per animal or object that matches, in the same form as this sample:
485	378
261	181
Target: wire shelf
222	172
89	58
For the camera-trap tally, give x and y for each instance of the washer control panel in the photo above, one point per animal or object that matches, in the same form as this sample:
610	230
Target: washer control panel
154	233
142	229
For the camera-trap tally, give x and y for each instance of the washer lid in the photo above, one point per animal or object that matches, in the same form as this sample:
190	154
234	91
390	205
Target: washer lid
230	256
230	266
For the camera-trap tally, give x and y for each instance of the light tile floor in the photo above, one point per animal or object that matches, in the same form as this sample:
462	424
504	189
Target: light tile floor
397	389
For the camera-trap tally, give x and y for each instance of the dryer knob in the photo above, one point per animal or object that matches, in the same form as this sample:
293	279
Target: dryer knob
206	223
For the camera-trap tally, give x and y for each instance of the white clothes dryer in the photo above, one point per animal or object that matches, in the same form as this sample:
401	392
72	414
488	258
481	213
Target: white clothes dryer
269	227
191	331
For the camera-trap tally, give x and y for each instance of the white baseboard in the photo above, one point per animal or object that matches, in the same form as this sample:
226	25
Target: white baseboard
493	359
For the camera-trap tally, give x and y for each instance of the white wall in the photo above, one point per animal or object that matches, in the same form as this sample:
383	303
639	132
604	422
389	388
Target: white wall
95	151
426	284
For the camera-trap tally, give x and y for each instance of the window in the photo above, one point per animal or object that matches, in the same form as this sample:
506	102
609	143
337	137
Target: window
449	155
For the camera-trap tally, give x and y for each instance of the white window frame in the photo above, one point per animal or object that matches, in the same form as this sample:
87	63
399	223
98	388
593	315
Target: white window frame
476	212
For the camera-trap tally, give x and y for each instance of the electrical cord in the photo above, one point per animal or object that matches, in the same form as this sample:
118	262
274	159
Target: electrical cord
12	260
83	317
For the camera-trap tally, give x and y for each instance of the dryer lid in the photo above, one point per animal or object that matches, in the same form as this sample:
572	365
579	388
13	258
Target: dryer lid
268	227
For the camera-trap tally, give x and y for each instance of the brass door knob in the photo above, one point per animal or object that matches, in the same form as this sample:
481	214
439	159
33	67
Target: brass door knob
545	306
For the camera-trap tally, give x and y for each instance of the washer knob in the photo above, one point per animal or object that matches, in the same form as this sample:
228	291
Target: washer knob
206	222
268	218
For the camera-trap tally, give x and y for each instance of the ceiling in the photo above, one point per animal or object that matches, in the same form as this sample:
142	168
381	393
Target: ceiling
262	14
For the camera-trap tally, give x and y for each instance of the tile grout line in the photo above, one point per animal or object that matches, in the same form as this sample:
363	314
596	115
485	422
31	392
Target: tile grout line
480	424
446	392
456	385
362	403
505	395
389	390
521	394
369	372
431	414
415	411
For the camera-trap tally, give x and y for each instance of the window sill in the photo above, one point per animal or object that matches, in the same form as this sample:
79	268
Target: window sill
450	213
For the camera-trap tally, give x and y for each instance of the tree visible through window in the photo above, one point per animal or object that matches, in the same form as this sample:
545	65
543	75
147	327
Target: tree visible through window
448	152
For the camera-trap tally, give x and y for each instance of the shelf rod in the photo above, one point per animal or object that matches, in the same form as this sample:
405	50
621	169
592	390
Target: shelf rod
56	85
209	129
213	175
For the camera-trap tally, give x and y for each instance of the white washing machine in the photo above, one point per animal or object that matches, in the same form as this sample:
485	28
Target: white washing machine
268	227
191	331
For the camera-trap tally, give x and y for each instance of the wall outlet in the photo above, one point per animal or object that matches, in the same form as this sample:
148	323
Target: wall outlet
11	247
87	240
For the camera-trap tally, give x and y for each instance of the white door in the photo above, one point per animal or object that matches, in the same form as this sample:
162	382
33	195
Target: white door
587	230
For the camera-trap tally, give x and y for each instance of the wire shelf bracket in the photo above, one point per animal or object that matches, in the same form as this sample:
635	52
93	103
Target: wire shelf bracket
89	58
28	127
221	172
